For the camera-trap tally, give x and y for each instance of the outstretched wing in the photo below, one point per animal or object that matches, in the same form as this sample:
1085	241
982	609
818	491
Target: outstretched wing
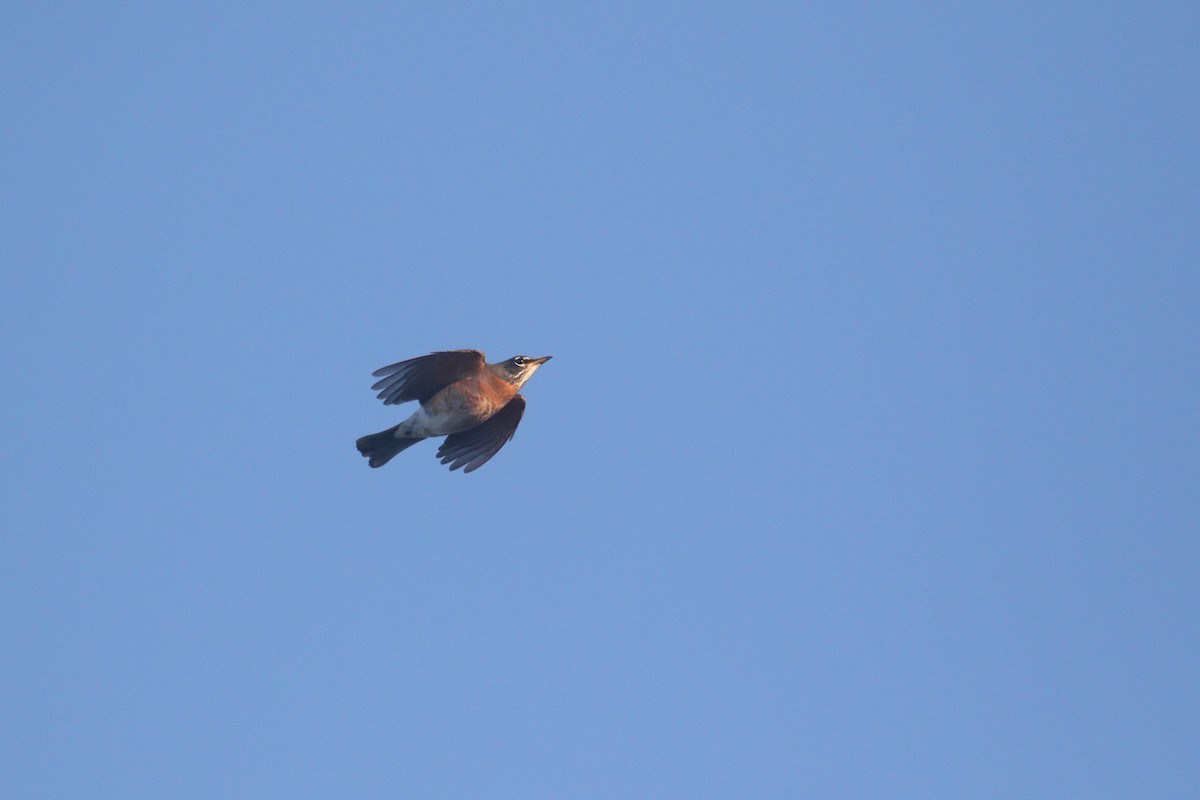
474	447
423	377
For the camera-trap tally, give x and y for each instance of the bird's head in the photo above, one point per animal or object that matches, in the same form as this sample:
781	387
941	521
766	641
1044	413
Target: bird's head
519	369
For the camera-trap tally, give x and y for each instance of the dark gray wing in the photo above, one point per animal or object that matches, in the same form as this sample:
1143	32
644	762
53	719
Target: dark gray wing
474	447
423	377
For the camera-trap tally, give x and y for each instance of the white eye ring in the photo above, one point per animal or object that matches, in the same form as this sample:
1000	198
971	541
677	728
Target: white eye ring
520	361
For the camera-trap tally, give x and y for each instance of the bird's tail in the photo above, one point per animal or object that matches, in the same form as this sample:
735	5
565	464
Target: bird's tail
381	447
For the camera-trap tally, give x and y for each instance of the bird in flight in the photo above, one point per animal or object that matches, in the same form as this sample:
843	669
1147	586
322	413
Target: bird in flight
472	403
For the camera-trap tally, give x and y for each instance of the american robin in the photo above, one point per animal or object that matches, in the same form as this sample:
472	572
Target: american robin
472	403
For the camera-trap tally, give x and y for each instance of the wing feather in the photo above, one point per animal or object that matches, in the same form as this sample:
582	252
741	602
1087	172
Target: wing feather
473	448
422	377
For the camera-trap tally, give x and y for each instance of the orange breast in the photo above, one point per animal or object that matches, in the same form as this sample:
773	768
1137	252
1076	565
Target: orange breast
472	400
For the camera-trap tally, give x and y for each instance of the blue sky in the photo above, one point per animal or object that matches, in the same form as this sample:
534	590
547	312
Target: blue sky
868	464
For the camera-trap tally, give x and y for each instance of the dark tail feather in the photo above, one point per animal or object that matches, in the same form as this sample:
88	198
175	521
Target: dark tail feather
381	447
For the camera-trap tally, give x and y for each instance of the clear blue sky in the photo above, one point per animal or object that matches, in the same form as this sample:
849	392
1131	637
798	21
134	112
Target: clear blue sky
868	464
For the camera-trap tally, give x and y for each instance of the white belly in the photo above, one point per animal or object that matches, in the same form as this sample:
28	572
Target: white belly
442	418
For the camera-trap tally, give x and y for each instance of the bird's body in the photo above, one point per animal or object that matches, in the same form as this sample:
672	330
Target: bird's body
460	406
473	403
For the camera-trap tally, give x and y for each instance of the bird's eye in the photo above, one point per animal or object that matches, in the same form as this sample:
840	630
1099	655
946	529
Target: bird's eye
520	361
